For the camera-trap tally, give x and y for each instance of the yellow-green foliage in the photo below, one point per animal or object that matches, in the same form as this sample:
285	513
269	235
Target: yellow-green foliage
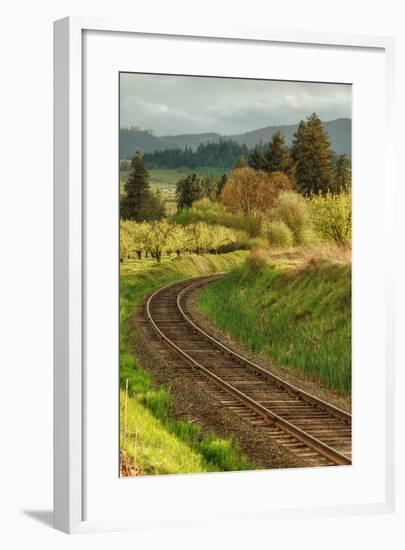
202	237
125	244
279	234
214	213
162	236
332	217
133	237
292	209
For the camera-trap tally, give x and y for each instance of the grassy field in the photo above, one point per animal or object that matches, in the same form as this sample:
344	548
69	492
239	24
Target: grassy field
154	440
293	308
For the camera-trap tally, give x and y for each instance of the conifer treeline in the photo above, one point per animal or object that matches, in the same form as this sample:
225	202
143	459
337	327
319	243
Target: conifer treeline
309	162
224	154
309	166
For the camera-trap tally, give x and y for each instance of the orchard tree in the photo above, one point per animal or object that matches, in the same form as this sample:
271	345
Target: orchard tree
198	236
125	242
139	238
133	237
158	238
221	236
177	241
313	157
277	156
138	202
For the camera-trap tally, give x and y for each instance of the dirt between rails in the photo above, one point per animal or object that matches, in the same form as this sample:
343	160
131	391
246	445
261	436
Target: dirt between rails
286	373
192	402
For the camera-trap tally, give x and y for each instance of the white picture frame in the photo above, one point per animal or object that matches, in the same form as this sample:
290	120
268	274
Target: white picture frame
70	383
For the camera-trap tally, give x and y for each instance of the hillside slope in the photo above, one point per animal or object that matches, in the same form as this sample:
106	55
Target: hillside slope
296	314
339	132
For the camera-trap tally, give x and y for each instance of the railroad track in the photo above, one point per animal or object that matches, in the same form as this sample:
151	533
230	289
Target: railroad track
314	430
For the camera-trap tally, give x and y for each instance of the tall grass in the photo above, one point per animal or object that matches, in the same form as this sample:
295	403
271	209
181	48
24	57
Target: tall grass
157	442
296	315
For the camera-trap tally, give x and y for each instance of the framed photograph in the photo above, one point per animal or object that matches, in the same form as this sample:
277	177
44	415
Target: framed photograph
218	201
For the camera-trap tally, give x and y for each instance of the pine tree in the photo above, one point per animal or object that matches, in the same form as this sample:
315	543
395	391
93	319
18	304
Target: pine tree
342	174
138	202
188	190
256	158
313	157
220	184
277	157
136	190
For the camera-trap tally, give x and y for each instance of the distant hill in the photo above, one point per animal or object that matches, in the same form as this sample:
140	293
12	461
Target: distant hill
339	131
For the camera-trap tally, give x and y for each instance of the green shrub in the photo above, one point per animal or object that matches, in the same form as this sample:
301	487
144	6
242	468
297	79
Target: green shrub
292	209
256	242
214	213
332	217
279	235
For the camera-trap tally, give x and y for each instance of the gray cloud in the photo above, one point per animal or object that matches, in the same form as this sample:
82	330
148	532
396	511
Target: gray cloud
182	104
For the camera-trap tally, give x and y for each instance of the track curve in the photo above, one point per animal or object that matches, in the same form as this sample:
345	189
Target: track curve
314	430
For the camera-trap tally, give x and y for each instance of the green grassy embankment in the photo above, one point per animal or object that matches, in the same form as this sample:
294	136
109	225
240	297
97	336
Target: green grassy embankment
156	442
292	308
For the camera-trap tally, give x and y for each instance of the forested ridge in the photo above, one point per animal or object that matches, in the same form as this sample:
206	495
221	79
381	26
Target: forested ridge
339	132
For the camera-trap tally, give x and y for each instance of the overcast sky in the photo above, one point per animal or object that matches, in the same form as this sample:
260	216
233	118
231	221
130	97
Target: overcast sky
183	104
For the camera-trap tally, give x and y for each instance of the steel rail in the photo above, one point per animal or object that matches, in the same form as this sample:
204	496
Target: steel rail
319	446
305	396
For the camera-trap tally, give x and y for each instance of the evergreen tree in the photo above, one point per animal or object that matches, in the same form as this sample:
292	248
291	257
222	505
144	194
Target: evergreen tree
138	202
209	187
224	154
240	163
188	190
313	157
256	158
342	174
221	184
277	156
